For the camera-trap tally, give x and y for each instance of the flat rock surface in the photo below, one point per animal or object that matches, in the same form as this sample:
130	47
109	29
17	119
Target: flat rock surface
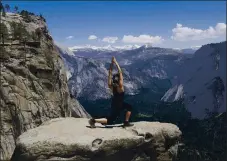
72	139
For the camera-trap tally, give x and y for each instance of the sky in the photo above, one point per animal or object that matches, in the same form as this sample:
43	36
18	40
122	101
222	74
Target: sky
173	24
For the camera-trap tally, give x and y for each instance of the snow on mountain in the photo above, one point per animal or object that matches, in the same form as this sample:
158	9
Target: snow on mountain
201	81
194	77
64	50
142	67
196	47
104	48
89	79
190	50
68	65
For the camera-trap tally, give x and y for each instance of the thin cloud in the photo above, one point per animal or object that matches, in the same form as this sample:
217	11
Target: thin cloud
111	40
69	37
92	37
142	39
181	33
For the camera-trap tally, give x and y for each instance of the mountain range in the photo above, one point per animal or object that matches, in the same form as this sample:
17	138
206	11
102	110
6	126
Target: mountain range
140	66
153	74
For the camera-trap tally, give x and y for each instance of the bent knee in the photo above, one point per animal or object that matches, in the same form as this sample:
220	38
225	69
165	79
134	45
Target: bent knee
129	108
110	121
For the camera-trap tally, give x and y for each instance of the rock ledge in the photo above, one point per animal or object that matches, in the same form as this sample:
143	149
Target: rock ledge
72	139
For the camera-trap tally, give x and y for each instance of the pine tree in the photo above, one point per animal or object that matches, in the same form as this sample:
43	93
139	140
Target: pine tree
1	6
4	13
25	15
4	31
15	9
41	16
13	26
18	31
2	9
22	31
34	36
38	33
7	7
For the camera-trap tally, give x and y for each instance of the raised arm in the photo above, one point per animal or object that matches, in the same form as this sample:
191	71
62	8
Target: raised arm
120	73
110	76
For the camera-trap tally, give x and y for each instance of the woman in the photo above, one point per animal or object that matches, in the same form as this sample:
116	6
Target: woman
115	83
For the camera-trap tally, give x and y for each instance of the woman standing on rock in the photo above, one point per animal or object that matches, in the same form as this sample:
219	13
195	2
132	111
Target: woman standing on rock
115	83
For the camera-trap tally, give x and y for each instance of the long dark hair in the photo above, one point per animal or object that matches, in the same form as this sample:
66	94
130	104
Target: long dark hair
115	79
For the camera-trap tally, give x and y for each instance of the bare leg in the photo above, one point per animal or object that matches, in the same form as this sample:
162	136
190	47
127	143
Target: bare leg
102	121
127	116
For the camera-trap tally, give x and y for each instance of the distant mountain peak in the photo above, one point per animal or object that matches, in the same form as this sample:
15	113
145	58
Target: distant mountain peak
190	50
104	48
148	45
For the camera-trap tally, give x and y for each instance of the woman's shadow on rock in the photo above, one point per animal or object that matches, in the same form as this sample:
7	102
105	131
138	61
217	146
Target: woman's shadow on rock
106	126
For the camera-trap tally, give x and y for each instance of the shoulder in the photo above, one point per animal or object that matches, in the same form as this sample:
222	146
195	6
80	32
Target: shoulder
121	88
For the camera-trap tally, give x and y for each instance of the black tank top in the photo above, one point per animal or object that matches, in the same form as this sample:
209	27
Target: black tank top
118	98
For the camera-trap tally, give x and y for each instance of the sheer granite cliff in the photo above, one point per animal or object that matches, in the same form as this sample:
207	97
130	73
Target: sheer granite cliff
33	80
200	82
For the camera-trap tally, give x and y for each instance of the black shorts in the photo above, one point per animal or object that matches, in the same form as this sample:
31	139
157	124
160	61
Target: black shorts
116	108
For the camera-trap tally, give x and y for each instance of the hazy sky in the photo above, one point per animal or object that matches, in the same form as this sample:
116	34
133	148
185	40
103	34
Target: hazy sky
165	24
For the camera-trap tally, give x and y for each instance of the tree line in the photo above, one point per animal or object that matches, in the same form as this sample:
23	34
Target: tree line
25	14
7	8
19	32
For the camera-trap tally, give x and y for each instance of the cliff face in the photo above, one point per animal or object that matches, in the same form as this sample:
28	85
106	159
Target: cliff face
201	81
33	80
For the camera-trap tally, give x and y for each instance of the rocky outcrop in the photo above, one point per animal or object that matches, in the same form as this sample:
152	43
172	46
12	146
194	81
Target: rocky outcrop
77	110
33	81
72	139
